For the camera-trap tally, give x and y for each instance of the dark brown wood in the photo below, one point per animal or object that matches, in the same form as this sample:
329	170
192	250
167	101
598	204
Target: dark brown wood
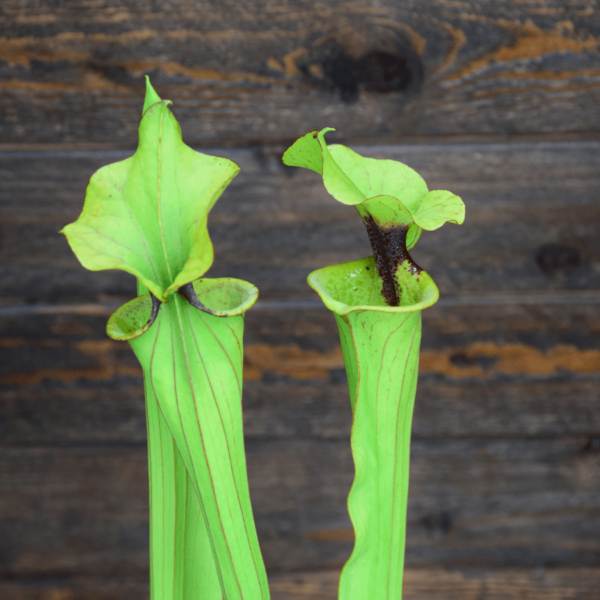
482	495
88	588
494	100
425	584
483	504
419	584
532	211
506	370
273	70
67	506
112	413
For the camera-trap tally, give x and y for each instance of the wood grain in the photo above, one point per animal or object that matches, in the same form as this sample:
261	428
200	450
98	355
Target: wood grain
512	342
511	370
425	584
484	491
420	584
272	70
494	100
531	221
112	413
473	504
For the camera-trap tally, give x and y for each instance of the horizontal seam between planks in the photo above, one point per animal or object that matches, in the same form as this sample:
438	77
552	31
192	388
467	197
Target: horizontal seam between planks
391	149
471	300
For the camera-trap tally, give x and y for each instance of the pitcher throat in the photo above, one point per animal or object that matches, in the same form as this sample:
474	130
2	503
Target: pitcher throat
389	247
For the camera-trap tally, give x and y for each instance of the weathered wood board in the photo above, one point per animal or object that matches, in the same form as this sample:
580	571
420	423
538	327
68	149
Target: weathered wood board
532	215
497	101
506	430
473	504
269	70
504	371
112	412
505	443
420	584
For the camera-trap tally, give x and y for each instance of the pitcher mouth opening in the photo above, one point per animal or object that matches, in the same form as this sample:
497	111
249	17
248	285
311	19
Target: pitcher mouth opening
222	297
356	285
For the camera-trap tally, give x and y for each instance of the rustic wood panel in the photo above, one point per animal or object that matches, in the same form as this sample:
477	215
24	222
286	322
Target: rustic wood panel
485	504
480	342
112	412
266	70
419	584
69	589
504	489
532	211
424	584
513	500
486	370
473	504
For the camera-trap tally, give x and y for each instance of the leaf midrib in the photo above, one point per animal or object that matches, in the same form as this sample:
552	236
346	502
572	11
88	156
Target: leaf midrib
159	191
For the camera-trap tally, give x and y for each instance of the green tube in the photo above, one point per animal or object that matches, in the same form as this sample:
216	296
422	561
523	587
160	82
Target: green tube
380	345
147	215
181	559
192	363
377	303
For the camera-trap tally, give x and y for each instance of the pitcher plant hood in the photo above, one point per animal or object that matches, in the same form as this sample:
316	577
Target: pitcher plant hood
147	215
392	199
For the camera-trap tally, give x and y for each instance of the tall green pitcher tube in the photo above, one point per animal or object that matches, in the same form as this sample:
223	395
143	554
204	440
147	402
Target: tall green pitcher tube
381	353
377	303
201	516
147	215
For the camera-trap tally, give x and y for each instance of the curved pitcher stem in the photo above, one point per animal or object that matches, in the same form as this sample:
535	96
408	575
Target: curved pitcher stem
381	353
380	344
203	538
177	526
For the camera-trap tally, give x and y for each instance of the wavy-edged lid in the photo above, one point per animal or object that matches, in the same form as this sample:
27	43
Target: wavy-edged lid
147	215
356	285
226	296
221	297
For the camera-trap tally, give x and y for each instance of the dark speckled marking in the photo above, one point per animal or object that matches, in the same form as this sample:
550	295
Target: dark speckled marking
189	293
389	246
155	306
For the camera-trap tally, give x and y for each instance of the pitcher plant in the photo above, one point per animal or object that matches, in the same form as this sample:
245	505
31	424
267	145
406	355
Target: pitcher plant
147	215
377	303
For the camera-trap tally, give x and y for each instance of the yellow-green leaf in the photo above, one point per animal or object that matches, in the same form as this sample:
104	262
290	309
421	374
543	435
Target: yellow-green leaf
147	214
439	207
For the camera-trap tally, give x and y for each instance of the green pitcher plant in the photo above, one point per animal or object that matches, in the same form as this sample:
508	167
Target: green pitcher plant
377	303
147	215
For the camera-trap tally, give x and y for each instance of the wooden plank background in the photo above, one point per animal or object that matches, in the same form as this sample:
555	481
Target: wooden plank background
497	101
260	70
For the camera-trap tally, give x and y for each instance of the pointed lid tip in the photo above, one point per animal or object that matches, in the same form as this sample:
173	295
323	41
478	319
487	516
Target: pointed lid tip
151	96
